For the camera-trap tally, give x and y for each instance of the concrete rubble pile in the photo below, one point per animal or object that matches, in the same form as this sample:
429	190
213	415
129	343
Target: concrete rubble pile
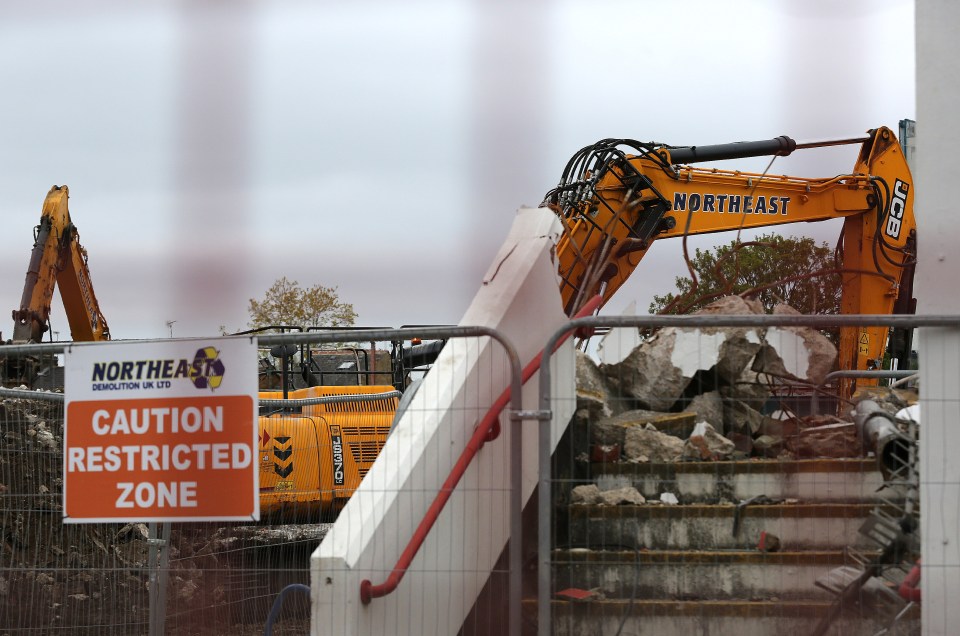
709	395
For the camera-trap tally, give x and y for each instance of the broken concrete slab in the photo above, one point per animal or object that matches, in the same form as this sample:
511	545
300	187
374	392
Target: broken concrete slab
586	494
768	446
739	345
890	400
625	495
779	428
612	430
592	393
706	444
648	374
657	373
642	445
707	407
799	353
749	388
740	418
825	436
732	306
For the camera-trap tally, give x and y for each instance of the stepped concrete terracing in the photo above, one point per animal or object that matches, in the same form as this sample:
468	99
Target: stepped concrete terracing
699	567
820	480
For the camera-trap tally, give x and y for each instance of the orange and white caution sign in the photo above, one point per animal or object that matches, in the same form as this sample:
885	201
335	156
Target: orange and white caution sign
161	431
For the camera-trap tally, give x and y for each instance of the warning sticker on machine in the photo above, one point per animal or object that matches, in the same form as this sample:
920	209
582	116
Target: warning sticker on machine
864	344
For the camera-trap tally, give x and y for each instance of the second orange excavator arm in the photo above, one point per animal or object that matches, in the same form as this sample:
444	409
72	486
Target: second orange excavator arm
58	259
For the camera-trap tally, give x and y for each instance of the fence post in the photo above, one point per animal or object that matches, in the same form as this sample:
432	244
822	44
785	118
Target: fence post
158	563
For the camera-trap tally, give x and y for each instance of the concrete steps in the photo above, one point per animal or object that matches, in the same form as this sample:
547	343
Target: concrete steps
695	567
673	575
711	527
715	618
819	480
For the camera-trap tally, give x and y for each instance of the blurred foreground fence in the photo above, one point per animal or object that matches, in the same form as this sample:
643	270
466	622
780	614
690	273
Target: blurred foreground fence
216	578
698	489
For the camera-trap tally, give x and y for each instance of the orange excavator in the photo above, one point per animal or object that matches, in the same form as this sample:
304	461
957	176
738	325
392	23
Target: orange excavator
618	196
58	260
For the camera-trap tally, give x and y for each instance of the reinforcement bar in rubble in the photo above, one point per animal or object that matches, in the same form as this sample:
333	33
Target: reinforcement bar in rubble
851	373
544	582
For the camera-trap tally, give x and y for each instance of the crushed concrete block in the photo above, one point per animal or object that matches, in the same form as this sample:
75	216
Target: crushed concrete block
707	407
799	353
625	495
739	345
705	443
648	374
768	446
890	400
749	388
732	306
642	445
612	430
586	494
740	418
592	393
825	436
657	372
669	498
785	427
676	424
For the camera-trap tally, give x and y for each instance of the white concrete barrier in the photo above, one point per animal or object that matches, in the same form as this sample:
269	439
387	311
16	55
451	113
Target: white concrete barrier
520	298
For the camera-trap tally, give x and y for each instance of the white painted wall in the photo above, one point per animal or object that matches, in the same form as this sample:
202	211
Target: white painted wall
520	297
938	270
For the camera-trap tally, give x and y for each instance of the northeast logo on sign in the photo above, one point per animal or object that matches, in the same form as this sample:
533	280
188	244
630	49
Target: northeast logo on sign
207	369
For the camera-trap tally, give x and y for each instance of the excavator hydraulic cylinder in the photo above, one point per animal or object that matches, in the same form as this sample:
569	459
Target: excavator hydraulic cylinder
780	146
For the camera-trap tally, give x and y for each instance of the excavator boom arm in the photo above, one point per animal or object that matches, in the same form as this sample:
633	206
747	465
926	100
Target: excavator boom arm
58	259
614	205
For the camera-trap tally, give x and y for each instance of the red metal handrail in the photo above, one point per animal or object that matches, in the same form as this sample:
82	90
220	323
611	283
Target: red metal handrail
908	589
487	430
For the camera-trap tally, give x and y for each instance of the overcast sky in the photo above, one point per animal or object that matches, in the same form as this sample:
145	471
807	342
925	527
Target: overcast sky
383	148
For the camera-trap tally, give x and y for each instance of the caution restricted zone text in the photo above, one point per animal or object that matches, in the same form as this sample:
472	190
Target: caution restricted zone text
160	458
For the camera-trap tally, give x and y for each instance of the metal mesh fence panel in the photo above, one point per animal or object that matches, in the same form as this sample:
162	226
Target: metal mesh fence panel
415	571
57	578
316	444
98	578
700	488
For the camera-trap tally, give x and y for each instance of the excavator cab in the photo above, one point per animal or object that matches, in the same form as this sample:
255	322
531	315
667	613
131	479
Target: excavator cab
325	415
